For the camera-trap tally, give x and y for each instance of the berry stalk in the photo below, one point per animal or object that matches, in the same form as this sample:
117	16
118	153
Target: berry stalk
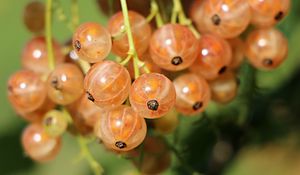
48	19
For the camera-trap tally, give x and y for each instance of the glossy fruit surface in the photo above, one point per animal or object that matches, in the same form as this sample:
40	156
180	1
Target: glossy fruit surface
38	145
65	84
192	94
224	89
35	55
122	129
267	13
92	42
26	92
226	18
55	123
140	29
152	95
266	48
214	57
168	123
33	16
107	83
173	47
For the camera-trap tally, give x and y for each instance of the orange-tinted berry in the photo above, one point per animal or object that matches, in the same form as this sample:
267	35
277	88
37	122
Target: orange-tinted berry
140	29
168	123
192	94
107	83
173	47
152	95
92	42
34	16
38	145
35	55
238	52
226	18
65	84
267	13
214	57
122	129
26	91
266	48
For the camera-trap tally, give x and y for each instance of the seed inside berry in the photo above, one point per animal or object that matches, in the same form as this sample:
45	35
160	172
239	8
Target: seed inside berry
279	16
216	19
120	144
197	105
176	60
77	45
90	97
267	62
223	70
152	105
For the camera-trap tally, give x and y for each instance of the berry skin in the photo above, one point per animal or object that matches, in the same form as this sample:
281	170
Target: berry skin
107	84
26	92
34	16
224	89
122	129
168	123
92	42
226	18
214	57
192	94
140	29
173	47
152	95
238	52
55	123
267	13
65	84
35	55
38	145
266	49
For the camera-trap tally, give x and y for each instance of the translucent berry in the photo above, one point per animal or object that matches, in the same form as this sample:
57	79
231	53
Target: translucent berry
224	88
33	16
26	92
35	55
226	18
140	29
107	84
92	42
38	145
65	84
266	48
238	52
192	94
173	47
55	123
214	57
122	129
168	123
152	95
267	13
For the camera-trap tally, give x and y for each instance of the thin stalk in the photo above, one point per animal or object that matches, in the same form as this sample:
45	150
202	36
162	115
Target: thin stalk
48	19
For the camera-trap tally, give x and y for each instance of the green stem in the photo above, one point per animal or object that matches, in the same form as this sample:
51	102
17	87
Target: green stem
48	19
85	152
132	50
75	14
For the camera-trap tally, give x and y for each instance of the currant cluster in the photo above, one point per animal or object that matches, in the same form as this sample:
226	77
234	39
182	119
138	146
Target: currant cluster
158	71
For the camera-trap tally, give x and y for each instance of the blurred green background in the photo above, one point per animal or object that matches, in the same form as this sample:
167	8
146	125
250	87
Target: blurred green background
257	133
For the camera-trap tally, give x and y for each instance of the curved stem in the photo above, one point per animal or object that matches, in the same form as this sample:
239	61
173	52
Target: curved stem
48	19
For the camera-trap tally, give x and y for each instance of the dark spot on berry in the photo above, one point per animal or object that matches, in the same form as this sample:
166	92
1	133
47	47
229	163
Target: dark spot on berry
77	45
268	62
216	20
279	16
197	105
90	97
55	83
120	144
222	70
48	121
176	60
152	105
9	88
